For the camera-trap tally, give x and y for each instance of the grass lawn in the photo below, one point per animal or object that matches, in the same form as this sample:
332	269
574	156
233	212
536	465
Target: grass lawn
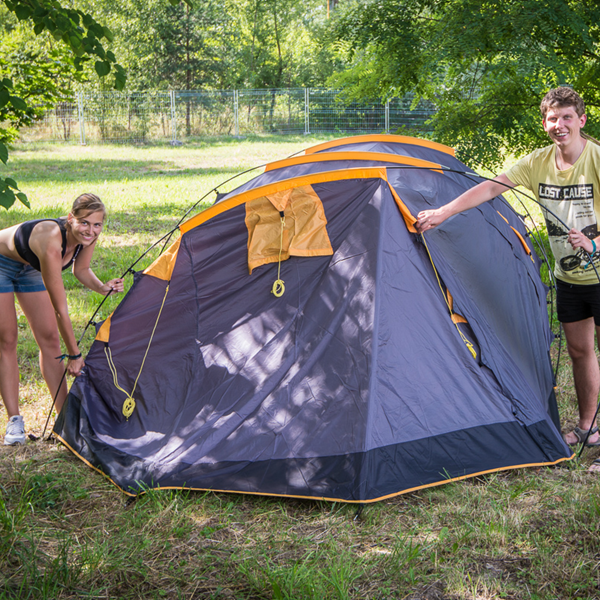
67	532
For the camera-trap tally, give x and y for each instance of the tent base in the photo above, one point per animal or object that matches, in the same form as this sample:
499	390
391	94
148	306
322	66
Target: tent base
363	477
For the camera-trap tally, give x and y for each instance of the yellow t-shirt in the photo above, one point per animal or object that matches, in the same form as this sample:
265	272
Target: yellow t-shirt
573	195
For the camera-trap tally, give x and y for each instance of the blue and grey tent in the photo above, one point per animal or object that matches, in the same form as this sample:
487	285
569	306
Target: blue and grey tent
300	339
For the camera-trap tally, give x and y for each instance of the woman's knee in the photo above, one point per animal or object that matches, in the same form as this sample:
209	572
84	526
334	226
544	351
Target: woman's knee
8	341
48	341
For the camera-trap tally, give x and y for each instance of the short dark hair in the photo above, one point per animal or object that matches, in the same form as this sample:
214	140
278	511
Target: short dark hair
562	97
86	204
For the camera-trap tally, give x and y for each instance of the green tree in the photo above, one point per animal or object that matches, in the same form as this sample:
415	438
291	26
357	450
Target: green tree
219	44
176	45
284	43
38	75
485	64
34	77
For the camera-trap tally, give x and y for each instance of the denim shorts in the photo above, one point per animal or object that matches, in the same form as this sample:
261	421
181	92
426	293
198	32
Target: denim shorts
18	277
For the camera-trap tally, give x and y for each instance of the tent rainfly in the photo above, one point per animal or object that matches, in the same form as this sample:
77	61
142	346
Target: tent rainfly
300	339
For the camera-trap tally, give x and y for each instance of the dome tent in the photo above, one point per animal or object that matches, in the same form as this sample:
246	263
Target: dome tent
390	362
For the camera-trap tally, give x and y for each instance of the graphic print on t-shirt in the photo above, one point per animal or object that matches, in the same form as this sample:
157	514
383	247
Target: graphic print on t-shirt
573	204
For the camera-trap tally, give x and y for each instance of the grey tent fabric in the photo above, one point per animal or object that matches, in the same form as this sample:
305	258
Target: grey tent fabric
356	384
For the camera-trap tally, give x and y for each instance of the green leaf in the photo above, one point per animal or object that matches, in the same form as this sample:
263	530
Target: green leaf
18	103
111	56
108	34
49	23
23	198
102	68
7	196
11	182
22	12
75	40
120	79
4	97
3	153
40	12
79	62
39	27
96	30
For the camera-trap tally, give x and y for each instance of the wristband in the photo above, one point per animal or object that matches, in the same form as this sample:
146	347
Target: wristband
68	356
593	247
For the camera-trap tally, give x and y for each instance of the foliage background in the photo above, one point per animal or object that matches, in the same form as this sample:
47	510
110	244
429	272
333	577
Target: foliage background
486	65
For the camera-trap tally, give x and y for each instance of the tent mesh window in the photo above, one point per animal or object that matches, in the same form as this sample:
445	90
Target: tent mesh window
301	231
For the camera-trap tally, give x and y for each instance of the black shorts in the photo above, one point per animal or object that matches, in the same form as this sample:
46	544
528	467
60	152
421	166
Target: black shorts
577	302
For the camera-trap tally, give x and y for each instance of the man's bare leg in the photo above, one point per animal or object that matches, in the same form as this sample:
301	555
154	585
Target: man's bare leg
581	346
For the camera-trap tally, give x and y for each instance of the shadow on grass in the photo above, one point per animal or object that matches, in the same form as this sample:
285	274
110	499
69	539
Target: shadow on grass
195	142
155	219
99	170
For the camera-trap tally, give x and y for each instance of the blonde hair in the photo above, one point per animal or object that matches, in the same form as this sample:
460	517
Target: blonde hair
86	204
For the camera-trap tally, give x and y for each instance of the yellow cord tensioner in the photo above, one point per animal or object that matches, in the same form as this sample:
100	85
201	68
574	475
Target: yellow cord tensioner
129	404
278	288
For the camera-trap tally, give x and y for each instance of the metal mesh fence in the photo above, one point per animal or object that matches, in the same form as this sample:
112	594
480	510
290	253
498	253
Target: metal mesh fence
138	117
59	124
202	114
271	111
328	112
401	114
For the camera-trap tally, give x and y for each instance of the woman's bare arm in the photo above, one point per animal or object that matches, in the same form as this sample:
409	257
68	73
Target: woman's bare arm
83	271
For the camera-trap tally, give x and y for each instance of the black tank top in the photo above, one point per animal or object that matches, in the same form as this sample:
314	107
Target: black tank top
23	233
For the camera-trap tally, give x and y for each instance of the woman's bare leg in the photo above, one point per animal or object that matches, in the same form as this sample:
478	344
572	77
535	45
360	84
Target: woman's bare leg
9	367
40	313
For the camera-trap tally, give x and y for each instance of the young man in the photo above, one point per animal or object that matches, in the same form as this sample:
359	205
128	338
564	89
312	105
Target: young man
565	178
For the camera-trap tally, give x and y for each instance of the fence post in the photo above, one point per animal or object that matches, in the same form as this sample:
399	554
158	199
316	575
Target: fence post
306	111
387	116
173	118
81	118
236	121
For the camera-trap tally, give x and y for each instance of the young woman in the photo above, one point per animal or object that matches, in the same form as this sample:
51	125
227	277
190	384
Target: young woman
32	258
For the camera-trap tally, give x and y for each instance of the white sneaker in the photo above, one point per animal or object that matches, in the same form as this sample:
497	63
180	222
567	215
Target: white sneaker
15	431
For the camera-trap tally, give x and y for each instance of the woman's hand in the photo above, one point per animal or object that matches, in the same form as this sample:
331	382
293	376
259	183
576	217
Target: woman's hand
74	366
428	219
580	240
114	286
